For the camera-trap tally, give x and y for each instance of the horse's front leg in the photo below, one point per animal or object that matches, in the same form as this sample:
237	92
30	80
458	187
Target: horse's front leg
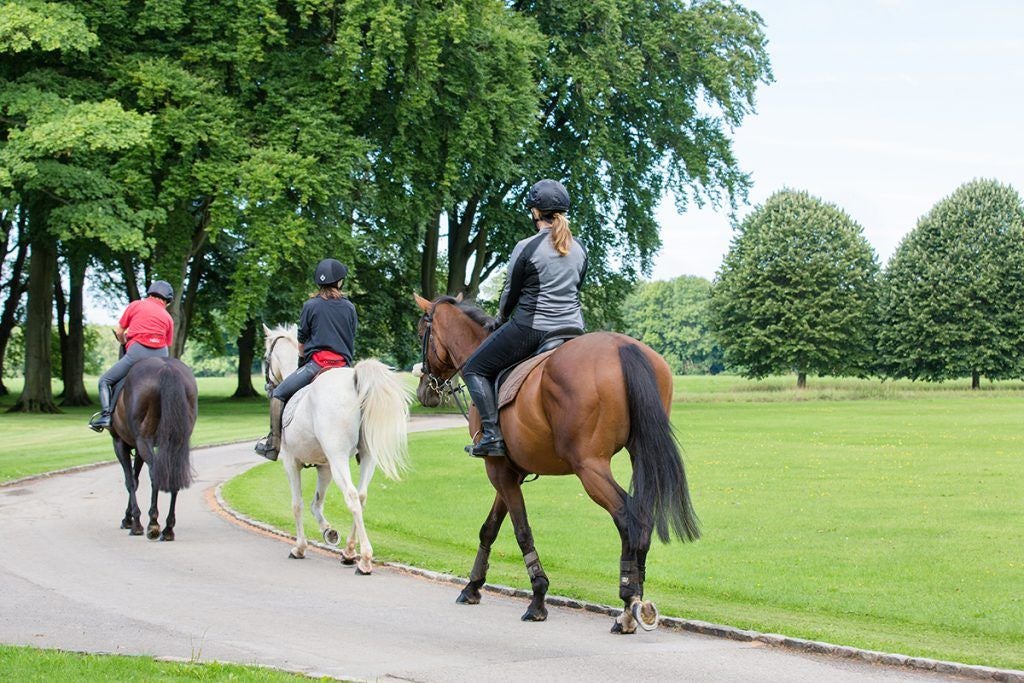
343	478
132	512
293	468
323	479
153	528
168	533
509	485
470	595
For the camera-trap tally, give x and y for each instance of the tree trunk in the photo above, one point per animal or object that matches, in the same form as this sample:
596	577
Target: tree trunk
73	351
246	355
801	380
37	395
428	264
16	287
975	380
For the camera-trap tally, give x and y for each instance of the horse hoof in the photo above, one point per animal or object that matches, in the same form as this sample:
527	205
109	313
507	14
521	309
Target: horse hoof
646	614
152	534
468	597
126	525
348	561
535	615
135	531
167	537
360	572
293	556
331	537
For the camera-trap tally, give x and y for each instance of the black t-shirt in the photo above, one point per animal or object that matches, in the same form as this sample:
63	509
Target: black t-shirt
328	324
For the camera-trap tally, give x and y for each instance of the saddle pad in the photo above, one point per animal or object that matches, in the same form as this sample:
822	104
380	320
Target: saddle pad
510	387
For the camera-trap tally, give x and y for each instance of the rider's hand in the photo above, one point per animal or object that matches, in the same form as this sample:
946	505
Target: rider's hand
494	324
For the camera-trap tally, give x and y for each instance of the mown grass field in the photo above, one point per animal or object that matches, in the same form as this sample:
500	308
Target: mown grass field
29	665
894	524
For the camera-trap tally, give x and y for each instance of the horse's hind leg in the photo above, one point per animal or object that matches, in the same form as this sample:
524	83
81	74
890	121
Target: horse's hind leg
153	528
605	491
323	479
168	533
293	468
343	478
470	595
509	483
367	466
131	481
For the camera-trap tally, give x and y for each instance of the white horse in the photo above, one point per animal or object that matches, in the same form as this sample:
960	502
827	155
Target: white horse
360	411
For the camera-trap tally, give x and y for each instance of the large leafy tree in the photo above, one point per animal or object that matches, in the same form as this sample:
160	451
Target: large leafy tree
953	292
797	291
672	318
632	100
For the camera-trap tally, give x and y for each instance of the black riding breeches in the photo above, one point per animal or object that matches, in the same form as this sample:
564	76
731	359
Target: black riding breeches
295	381
506	346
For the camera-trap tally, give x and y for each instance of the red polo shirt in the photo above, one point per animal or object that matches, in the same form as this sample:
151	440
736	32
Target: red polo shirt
147	322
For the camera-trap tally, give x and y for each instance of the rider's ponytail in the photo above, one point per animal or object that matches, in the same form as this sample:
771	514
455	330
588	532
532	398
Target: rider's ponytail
561	236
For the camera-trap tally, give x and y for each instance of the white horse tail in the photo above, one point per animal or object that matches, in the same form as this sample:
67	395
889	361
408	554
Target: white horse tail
383	426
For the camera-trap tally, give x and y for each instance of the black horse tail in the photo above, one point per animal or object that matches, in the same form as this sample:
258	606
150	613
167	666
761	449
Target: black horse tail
658	495
170	468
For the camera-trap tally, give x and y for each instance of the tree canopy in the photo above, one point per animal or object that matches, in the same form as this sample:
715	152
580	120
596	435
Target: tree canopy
953	292
797	291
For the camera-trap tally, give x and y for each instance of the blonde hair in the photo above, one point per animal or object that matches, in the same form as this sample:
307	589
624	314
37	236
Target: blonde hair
561	236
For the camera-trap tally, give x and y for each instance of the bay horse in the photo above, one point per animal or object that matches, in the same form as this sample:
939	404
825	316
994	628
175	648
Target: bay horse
583	403
360	412
153	419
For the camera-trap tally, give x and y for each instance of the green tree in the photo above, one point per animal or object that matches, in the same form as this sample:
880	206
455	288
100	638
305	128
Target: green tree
797	291
953	293
672	318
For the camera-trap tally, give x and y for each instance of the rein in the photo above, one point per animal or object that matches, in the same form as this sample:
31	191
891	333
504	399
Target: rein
439	385
270	385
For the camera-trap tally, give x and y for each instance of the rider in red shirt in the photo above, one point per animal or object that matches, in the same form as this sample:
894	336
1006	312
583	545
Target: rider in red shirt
146	329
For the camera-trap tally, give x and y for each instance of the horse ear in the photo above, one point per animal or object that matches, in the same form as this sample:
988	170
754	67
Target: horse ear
421	302
458	298
266	330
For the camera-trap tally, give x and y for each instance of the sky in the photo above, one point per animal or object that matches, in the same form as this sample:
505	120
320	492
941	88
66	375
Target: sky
881	107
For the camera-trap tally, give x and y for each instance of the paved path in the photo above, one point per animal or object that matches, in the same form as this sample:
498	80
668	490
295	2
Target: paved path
72	579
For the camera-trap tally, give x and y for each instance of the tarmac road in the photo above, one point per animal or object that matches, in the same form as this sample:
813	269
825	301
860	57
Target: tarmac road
72	579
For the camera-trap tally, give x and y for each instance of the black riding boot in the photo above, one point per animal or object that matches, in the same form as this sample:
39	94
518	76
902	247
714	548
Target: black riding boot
270	446
491	441
101	420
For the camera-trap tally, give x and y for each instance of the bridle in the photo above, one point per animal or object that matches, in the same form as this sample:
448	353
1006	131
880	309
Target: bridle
270	384
442	386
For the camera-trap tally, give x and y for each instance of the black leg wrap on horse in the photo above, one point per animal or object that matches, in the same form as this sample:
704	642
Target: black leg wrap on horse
480	566
629	579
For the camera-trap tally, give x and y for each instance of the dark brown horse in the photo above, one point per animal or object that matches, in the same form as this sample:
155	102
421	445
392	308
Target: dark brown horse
154	418
586	401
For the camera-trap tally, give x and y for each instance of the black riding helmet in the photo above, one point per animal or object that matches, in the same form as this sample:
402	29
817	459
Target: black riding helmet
329	271
162	289
548	196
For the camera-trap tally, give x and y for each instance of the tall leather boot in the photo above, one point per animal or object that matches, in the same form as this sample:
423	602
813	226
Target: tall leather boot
270	446
491	441
101	420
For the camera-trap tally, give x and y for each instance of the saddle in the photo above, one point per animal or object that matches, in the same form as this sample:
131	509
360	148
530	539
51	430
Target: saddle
511	379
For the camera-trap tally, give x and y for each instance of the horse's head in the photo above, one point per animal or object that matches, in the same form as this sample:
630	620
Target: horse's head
449	330
280	355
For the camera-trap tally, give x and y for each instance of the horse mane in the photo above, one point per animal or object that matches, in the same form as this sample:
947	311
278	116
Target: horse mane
287	331
471	309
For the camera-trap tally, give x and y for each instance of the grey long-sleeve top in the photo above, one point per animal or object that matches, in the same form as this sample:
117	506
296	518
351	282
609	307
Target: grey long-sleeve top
542	288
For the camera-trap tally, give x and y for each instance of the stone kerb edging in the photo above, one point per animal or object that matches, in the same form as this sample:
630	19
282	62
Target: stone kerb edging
702	627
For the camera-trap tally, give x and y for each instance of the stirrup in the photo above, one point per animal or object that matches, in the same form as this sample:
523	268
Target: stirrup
99	421
485	449
266	450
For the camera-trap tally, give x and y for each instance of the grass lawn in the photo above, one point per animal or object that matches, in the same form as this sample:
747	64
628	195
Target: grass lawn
891	524
42	443
28	664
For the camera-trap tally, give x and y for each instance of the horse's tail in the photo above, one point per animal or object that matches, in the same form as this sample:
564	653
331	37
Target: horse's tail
170	468
659	496
383	425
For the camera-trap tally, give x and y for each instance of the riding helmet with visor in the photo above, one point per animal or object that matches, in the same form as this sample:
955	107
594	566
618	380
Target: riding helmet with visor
162	289
330	271
548	196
